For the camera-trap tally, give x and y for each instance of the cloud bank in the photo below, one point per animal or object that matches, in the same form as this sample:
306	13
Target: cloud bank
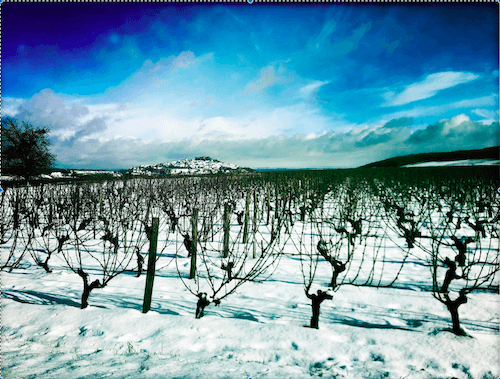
81	139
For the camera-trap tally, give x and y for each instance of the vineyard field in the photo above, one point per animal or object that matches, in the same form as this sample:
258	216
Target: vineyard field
395	257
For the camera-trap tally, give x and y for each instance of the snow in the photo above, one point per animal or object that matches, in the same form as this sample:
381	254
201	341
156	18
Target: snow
91	172
176	171
202	165
465	162
259	332
8	178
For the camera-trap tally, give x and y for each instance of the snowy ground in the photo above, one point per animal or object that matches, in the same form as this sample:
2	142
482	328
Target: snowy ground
259	332
465	162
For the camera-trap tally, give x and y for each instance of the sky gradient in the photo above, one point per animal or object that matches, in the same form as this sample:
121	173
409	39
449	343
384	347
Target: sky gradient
259	85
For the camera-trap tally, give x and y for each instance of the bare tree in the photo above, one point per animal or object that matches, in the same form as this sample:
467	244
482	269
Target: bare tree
463	260
344	232
14	241
448	230
109	238
224	261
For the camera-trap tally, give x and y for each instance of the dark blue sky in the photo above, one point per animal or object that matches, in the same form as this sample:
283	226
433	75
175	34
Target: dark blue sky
246	83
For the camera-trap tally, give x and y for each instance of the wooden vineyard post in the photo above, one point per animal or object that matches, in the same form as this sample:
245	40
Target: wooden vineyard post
16	210
277	205
100	201
289	209
225	251
194	226
212	227
348	246
51	214
268	195
303	207
277	201
151	266
247	211
255	216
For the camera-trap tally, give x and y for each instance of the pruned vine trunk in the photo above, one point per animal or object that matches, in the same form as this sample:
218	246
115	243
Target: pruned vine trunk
453	306
45	264
87	288
455	320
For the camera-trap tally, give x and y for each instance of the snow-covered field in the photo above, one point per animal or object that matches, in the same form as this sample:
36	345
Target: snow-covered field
259	332
464	162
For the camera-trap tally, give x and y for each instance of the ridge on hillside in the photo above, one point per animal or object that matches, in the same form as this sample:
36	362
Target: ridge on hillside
487	154
199	165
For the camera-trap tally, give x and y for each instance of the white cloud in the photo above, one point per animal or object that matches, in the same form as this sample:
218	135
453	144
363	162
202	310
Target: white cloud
456	133
485	113
453	122
160	79
415	112
312	88
184	59
47	108
69	118
266	79
326	149
217	128
10	105
428	87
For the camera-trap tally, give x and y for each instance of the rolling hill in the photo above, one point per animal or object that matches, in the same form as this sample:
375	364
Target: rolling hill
487	156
